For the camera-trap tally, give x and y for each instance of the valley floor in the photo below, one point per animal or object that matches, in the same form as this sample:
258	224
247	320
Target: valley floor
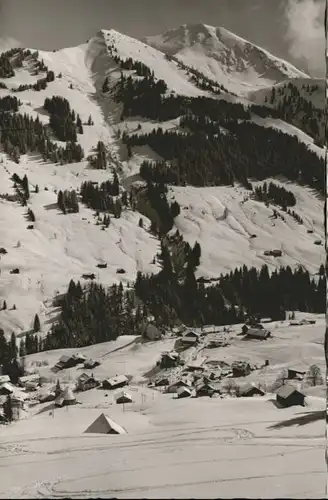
174	448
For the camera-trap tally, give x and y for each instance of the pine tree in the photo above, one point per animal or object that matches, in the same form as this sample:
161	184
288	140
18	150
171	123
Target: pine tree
36	324
8	409
4	307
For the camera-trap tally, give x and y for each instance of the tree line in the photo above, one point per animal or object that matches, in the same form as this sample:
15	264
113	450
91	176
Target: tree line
207	156
93	314
62	119
21	134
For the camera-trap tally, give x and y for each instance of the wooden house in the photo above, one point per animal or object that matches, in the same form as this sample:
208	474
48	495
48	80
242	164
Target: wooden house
184	392
289	396
250	390
115	382
123	397
295	373
258	334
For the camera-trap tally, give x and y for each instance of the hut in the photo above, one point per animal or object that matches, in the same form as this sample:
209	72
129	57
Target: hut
65	361
123	397
295	373
115	382
6	389
184	392
250	390
289	396
162	381
204	389
104	425
169	360
257	333
190	338
90	364
241	369
4	379
176	385
86	382
26	380
46	397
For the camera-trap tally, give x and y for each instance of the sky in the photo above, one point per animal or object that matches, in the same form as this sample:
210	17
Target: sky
291	29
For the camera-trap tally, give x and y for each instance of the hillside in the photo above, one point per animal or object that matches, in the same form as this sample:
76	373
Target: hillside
50	448
60	248
156	229
225	57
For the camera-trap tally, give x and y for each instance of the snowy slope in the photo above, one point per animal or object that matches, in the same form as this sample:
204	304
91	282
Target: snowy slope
317	97
225	57
188	448
64	247
126	47
222	221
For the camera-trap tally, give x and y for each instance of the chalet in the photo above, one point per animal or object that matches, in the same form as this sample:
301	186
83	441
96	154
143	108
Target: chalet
27	380
162	382
65	361
123	397
289	396
115	382
4	379
6	389
169	360
46	397
102	266
204	389
259	334
295	373
240	368
195	366
308	321
90	363
91	276
184	392
190	338
250	390
86	382
176	385
276	253
79	358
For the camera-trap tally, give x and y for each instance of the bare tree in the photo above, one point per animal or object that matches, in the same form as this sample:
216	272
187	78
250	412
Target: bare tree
280	380
314	376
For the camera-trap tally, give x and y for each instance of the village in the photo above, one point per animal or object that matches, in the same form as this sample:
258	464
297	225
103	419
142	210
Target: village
208	362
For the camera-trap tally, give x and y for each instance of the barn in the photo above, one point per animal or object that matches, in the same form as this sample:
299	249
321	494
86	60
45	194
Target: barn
190	338
115	382
295	373
250	390
257	333
123	397
176	385
289	396
183	392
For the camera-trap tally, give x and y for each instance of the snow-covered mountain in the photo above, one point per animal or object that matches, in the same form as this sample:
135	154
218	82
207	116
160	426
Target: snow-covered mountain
224	57
63	247
43	246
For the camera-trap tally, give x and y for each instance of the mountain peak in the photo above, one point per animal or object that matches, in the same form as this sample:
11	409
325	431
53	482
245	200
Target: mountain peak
224	57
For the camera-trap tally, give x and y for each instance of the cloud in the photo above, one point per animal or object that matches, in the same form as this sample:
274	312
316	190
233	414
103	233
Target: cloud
305	34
